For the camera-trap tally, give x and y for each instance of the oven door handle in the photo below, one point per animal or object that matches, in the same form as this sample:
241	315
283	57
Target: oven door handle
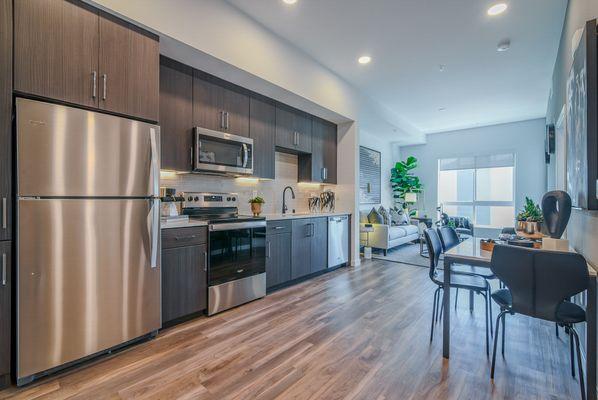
237	225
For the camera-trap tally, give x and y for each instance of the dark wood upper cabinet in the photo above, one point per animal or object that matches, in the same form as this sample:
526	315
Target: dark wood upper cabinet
262	129
56	50
320	165
5	310
71	52
6	204
293	130
319	244
219	108
176	115
129	69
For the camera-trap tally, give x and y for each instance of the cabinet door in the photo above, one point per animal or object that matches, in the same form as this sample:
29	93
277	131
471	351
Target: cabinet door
303	129
184	281
207	104
236	106
301	248
330	151
56	50
262	129
5	119
319	244
285	128
5	311
176	115
278	259
129	81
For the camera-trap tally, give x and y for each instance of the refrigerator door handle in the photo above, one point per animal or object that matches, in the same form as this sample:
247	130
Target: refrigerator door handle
154	232
155	164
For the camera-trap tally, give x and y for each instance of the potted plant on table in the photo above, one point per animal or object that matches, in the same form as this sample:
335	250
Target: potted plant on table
256	205
533	217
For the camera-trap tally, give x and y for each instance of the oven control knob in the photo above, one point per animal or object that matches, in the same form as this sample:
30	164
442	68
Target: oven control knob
190	198
196	198
234	199
228	199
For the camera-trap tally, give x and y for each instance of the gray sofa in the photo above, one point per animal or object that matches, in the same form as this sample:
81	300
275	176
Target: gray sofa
386	237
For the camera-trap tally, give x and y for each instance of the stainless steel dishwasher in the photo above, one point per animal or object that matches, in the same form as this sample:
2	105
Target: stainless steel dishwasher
338	240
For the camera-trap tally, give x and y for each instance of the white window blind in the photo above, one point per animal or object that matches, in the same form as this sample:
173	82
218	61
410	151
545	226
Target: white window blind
480	188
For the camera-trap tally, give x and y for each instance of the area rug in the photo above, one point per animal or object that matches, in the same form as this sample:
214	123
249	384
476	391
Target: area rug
406	254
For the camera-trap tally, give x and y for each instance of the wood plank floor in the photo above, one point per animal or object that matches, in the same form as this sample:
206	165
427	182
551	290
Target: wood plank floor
356	333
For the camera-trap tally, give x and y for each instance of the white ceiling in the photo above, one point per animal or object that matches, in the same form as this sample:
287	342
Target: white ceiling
409	39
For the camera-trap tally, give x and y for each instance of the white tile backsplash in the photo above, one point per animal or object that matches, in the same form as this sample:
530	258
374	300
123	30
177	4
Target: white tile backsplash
270	190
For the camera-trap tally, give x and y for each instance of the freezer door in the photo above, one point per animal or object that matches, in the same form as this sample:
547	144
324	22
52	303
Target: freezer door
88	278
64	151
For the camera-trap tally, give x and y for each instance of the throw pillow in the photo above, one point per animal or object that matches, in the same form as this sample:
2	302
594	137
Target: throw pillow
363	217
374	217
404	217
382	211
395	217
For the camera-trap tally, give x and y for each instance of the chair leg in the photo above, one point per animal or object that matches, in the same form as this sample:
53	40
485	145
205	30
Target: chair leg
433	313
441	308
579	366
498	319
471	301
487	334
504	326
438	301
489	305
456	297
572	353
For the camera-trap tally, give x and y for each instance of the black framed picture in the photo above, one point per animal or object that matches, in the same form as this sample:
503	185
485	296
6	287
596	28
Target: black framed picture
582	121
370	187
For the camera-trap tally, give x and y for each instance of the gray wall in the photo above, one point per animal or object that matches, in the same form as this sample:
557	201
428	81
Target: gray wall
525	139
583	226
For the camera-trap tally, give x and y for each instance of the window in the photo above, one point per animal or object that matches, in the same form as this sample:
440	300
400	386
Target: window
480	188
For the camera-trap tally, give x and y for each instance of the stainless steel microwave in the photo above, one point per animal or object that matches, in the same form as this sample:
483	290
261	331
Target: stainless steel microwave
222	153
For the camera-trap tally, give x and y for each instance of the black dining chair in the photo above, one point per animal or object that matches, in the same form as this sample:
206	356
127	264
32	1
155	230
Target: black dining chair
461	281
449	239
539	284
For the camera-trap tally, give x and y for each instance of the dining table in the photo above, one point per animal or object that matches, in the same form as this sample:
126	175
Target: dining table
469	252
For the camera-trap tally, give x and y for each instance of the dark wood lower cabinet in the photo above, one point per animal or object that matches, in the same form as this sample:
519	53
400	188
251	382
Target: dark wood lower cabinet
184	281
5	311
278	259
301	248
319	244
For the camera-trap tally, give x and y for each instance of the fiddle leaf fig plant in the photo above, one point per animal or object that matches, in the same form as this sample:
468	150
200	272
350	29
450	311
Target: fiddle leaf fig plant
403	180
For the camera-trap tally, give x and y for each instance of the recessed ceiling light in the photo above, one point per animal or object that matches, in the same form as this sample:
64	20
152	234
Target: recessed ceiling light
441	67
504	45
364	59
290	1
497	9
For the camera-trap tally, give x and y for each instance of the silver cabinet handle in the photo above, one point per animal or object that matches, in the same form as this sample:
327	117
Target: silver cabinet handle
4	214
94	88
3	269
295	138
269	250
205	260
104	80
226	121
278	227
191	155
325	171
222	119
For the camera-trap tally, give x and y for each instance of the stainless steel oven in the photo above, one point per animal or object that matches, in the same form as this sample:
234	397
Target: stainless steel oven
237	259
222	153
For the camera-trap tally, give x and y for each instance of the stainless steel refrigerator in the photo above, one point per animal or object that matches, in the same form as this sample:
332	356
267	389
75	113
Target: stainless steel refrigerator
88	260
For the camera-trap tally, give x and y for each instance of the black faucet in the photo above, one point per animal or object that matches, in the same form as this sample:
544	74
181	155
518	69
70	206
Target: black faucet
284	202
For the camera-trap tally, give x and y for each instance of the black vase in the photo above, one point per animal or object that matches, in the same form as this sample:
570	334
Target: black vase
556	208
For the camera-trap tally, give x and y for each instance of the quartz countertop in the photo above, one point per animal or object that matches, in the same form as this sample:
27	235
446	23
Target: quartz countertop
278	217
183	224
